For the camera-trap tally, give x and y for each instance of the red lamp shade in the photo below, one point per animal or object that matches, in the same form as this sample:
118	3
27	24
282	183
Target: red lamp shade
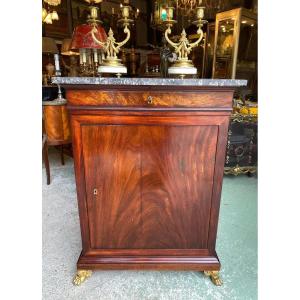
82	37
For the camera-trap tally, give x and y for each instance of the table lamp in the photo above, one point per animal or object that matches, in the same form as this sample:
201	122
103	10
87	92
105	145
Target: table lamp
82	40
73	68
50	47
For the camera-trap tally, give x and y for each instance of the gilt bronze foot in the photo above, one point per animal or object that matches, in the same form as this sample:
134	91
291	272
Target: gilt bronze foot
214	276
81	276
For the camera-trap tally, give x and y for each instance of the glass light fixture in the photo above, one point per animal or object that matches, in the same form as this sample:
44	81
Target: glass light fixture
53	2
47	15
188	7
48	19
54	15
93	1
44	13
160	13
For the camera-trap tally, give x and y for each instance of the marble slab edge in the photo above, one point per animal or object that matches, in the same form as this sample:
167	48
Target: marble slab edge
148	81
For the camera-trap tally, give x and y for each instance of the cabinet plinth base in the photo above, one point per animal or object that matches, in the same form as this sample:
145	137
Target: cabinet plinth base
207	263
81	276
214	276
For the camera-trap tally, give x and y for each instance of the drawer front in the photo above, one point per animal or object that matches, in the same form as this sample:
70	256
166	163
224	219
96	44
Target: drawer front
151	99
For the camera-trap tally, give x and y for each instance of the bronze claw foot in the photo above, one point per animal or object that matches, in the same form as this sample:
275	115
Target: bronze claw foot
214	276
81	276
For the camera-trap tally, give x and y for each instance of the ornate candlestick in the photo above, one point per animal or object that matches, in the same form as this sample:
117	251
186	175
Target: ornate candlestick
183	66
111	63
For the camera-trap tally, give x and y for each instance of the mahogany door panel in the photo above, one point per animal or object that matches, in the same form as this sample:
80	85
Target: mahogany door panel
177	179
112	163
149	186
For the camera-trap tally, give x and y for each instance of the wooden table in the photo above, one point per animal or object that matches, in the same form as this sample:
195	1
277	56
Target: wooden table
56	129
149	161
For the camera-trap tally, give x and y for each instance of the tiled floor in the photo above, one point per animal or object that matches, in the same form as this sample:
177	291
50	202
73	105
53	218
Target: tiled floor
236	247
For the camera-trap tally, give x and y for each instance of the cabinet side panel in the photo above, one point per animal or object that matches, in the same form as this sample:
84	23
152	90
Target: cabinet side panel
218	181
178	169
112	163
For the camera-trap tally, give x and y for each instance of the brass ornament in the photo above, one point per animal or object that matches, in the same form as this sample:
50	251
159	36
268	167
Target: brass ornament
241	118
237	170
111	47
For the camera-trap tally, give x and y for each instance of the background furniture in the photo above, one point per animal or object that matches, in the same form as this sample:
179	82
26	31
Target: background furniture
146	200
56	129
235	49
45	157
241	156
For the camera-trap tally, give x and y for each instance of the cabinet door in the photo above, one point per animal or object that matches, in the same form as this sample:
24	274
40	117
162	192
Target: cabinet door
149	186
177	180
112	164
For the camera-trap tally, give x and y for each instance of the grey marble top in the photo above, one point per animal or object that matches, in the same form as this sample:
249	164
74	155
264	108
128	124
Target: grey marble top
149	81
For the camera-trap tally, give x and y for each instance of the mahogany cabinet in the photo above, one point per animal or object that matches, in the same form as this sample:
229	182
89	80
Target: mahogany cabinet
149	162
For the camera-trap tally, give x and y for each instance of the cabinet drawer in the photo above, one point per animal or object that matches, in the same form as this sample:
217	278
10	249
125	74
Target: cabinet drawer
151	99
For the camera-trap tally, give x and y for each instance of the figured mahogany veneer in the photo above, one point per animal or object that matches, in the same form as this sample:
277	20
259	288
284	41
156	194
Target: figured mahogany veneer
149	175
151	98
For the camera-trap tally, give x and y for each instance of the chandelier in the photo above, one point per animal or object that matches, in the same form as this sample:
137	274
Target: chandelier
49	15
188	6
53	2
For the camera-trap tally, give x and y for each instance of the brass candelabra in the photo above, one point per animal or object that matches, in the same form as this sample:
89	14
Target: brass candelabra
183	66
111	63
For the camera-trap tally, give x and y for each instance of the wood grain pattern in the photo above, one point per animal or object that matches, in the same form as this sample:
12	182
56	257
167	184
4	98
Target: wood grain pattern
197	263
154	179
158	175
57	126
112	166
177	176
159	99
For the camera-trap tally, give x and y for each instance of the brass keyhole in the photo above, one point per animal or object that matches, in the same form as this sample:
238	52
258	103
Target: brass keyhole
150	100
95	192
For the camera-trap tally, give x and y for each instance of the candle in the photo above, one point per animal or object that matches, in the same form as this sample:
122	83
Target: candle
83	56
80	56
200	12
170	13
56	60
125	12
94	12
95	55
89	56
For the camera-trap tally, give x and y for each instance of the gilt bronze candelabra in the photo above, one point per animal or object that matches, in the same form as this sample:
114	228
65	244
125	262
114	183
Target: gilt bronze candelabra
183	66
111	63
